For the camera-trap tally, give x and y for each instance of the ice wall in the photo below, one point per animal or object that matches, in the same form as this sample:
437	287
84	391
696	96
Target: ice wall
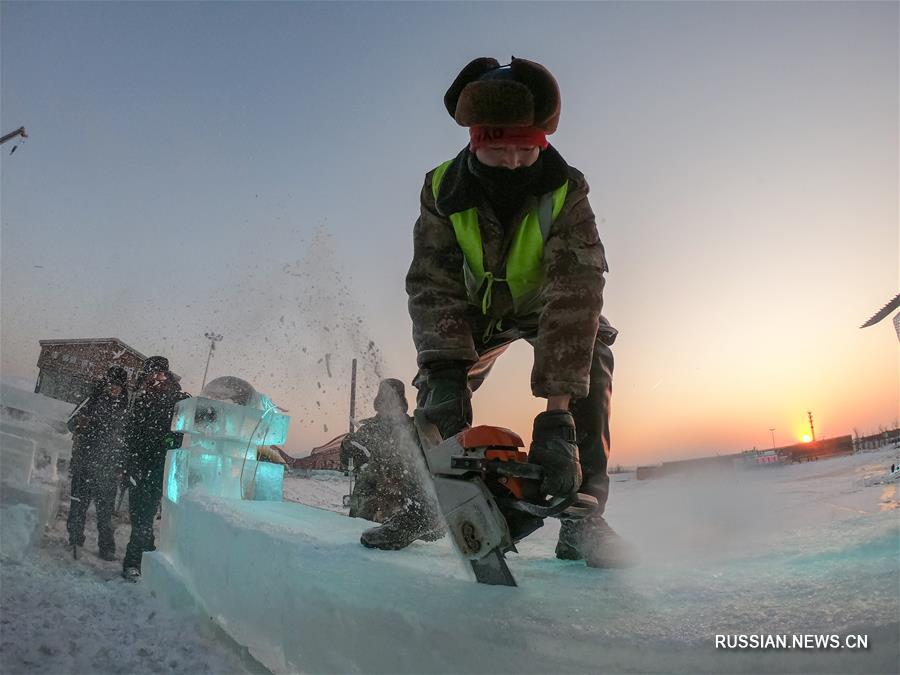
219	454
32	440
293	584
42	407
39	419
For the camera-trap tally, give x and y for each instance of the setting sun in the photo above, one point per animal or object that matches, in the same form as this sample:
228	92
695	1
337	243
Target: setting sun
806	438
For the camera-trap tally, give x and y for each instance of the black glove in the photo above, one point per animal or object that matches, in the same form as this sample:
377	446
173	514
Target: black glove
553	446
449	402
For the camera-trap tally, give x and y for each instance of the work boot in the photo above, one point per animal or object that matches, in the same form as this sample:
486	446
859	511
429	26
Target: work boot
595	542
132	574
107	555
400	530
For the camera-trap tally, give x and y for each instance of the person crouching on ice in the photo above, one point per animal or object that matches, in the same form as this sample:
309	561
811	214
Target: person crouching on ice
388	489
506	248
377	451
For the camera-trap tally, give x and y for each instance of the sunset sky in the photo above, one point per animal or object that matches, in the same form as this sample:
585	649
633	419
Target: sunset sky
254	169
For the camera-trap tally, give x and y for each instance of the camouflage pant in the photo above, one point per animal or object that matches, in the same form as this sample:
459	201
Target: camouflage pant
591	413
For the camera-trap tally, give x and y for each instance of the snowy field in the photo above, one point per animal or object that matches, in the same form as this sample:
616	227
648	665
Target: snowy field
61	615
805	549
323	489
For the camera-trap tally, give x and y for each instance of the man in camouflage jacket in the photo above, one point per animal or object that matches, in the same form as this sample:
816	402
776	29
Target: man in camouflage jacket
388	489
504	174
381	455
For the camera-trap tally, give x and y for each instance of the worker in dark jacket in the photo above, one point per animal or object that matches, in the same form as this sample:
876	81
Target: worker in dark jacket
148	437
506	248
375	448
97	427
387	483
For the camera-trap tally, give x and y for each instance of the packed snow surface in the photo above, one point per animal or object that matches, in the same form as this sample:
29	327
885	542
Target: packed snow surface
61	615
805	549
322	489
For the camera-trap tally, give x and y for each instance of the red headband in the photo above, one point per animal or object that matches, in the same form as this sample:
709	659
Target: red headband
485	136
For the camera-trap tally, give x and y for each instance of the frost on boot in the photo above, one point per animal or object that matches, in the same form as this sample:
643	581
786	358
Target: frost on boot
595	542
132	574
402	529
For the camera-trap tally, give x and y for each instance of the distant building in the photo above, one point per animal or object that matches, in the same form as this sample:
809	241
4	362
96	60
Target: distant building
325	457
801	452
755	458
67	368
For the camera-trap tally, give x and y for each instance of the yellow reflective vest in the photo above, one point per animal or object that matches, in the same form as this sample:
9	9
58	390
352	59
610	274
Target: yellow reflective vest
524	269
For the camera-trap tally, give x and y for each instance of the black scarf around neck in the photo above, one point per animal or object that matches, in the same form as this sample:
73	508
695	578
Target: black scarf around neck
507	189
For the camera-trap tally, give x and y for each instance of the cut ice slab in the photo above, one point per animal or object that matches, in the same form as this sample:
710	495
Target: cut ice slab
294	586
230	477
38	406
219	420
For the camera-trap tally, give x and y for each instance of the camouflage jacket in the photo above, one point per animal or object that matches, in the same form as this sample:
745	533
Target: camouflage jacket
447	327
384	441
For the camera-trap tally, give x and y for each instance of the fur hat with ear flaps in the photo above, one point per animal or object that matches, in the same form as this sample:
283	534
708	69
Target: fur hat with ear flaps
522	94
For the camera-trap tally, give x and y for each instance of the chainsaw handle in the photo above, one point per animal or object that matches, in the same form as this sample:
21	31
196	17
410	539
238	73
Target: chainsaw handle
574	506
550	509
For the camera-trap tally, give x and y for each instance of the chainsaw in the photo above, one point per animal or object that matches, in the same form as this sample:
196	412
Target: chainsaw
489	494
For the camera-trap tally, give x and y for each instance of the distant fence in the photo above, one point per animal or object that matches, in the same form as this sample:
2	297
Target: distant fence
325	457
717	462
801	452
876	440
827	447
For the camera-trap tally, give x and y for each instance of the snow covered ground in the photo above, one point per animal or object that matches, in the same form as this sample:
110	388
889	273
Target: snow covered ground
61	615
805	549
323	489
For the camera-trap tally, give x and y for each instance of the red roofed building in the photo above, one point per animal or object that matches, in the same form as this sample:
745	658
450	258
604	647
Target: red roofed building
324	457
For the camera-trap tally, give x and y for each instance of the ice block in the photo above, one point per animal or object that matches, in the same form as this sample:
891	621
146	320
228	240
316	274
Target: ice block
222	436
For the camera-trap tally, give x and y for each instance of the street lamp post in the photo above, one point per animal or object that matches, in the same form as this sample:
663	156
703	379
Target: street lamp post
772	429
213	339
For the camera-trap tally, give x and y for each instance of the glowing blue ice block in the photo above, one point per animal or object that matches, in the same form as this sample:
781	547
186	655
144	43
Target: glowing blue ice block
234	430
221	442
187	469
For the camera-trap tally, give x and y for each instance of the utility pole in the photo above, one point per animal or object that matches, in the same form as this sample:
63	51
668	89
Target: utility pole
350	466
812	429
353	396
772	429
213	339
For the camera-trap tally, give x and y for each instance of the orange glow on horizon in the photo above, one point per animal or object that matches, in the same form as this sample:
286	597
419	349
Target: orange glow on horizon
806	438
